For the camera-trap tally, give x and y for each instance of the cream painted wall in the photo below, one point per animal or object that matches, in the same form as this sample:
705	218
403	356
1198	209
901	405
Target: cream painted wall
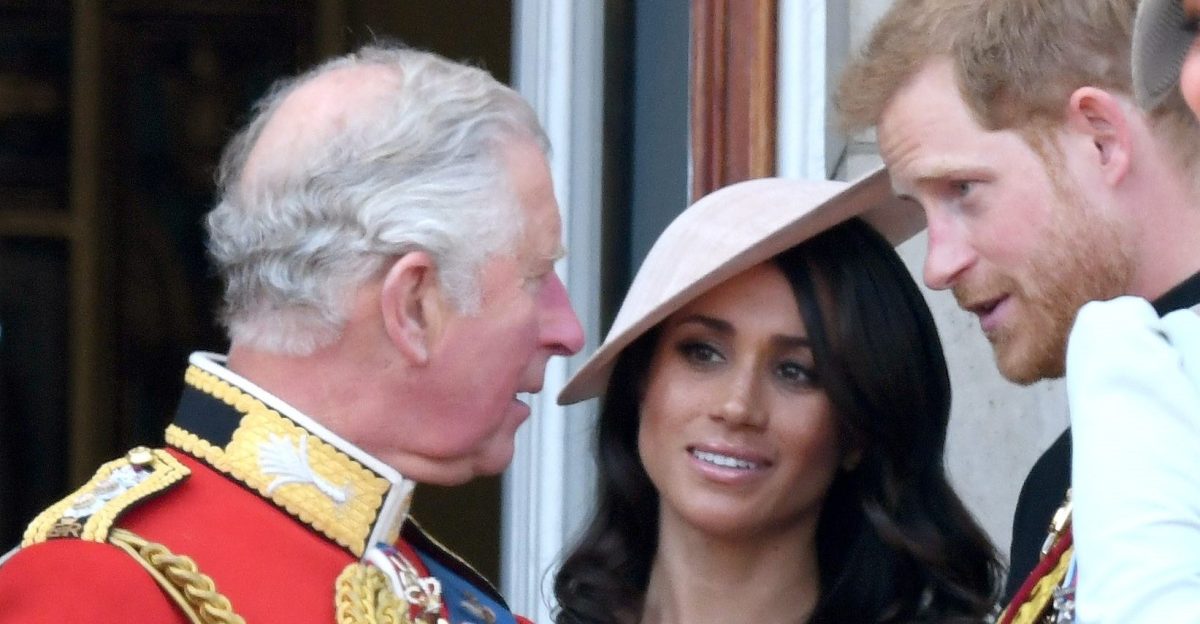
997	429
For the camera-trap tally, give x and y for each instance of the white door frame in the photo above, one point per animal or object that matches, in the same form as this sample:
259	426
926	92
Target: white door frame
813	45
558	62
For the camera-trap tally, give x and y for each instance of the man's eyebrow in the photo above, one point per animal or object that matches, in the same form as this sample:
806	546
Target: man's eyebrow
545	262
937	171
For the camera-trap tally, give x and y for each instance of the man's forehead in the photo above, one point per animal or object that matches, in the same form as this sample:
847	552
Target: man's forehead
926	131
312	114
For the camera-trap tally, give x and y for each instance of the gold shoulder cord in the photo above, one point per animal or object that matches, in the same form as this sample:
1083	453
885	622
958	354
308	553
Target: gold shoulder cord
193	591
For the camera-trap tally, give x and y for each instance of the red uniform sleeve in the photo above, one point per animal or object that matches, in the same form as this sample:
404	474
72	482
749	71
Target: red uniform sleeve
70	580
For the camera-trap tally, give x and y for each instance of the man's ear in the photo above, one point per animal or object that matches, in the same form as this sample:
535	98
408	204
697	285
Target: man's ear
412	305
1104	119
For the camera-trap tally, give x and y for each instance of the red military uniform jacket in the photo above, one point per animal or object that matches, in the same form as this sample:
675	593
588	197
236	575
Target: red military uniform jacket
253	513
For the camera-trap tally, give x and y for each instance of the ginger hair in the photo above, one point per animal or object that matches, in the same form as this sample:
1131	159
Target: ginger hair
1017	63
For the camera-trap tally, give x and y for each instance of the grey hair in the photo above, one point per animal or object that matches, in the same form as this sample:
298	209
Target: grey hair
419	167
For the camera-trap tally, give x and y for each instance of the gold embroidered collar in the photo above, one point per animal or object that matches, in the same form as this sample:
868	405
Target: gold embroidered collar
288	458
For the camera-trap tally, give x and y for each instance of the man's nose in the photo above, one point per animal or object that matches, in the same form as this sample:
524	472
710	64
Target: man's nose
949	254
561	329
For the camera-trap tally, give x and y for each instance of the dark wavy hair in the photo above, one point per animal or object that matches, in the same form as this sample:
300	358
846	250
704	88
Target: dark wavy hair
895	544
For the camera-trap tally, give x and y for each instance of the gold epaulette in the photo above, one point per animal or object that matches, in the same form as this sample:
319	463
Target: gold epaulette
89	512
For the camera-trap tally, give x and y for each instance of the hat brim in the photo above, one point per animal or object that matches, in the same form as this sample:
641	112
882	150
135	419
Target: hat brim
1160	43
808	208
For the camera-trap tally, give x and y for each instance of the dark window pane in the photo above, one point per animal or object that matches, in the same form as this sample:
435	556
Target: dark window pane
35	59
34	379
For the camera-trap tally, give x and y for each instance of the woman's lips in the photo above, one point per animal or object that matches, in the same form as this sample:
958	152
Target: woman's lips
728	464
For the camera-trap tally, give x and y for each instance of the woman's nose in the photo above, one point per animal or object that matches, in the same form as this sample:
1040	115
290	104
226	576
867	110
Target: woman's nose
741	405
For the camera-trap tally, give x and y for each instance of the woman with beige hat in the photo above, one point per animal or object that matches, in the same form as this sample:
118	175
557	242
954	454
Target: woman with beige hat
774	411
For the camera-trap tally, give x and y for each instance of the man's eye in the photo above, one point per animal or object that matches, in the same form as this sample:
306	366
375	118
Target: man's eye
962	187
533	282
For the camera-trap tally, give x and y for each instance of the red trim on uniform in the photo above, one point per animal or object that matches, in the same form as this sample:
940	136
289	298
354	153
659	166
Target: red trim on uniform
1043	568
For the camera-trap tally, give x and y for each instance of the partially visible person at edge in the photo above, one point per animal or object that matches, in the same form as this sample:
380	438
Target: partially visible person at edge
770	445
1189	79
1133	381
387	232
1012	123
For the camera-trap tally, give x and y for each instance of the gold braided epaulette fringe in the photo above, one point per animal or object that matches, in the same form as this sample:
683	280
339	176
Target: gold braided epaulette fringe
191	590
363	595
89	512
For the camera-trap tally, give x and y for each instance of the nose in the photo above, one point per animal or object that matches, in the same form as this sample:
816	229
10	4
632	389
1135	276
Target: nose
741	406
949	254
561	331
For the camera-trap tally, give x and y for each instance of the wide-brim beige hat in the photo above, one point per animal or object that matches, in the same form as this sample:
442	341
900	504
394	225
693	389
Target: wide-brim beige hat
1161	40
727	232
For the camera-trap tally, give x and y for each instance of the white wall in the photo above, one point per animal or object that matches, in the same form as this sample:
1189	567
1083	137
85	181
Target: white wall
997	430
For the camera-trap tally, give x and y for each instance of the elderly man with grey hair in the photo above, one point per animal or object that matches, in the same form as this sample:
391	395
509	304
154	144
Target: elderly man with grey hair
387	231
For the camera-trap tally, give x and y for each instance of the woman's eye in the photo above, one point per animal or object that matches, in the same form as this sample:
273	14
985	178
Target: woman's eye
795	373
962	188
700	353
